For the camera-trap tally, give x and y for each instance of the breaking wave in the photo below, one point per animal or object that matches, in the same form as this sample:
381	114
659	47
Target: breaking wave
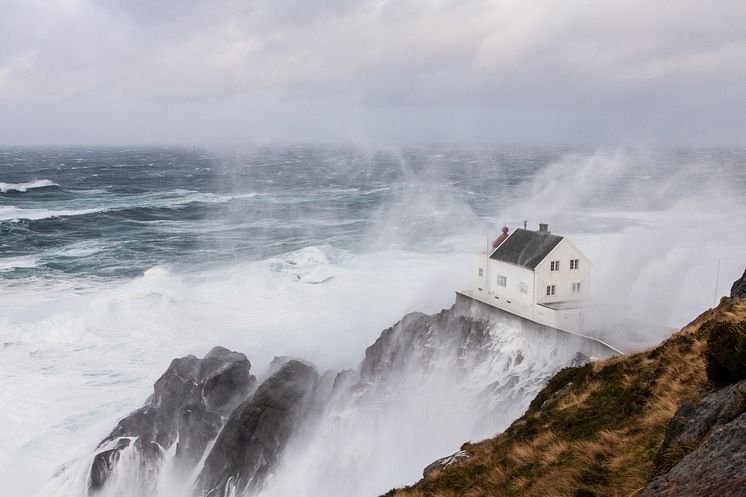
29	185
11	213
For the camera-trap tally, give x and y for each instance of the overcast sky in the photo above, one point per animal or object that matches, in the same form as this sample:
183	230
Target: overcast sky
368	71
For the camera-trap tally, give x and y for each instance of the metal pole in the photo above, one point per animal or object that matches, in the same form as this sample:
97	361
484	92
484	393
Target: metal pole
717	277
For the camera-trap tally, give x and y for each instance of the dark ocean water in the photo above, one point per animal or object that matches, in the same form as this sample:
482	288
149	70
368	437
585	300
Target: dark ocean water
113	213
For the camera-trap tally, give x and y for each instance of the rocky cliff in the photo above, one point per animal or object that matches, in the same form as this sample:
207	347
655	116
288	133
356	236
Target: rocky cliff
427	383
184	414
257	432
668	421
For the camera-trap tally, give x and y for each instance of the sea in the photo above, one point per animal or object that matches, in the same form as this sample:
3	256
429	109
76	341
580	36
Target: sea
115	260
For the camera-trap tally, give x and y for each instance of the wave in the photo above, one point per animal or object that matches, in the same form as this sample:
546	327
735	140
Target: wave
12	263
11	213
176	199
29	185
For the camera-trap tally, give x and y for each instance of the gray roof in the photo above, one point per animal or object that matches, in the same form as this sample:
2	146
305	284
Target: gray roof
526	248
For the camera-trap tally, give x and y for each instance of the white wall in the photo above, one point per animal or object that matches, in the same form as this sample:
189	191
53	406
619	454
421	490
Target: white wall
511	299
479	262
567	319
510	296
565	277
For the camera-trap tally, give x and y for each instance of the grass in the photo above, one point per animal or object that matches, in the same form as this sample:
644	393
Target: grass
594	430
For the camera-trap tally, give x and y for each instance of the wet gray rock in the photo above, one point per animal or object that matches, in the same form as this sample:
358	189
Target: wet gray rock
717	468
738	289
712	433
579	360
255	435
443	463
695	419
188	407
414	341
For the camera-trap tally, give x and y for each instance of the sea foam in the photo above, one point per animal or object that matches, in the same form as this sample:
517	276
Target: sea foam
24	187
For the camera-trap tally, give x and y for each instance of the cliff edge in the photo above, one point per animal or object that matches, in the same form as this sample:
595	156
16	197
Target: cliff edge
668	421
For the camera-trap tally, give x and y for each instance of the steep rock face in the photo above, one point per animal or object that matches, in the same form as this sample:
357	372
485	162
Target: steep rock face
717	468
709	434
694	419
417	338
739	287
427	383
255	435
186	409
595	430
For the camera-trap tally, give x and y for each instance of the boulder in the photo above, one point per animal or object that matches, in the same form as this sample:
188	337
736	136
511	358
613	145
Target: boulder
187	408
256	434
701	455
717	468
443	463
738	289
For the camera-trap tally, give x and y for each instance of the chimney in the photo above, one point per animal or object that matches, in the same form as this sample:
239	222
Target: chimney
544	228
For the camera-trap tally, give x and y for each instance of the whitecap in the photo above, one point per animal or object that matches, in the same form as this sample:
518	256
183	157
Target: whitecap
12	263
10	213
24	187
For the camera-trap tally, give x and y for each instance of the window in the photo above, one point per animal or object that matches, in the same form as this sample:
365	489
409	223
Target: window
523	287
554	266
550	289
502	280
481	272
576	287
574	263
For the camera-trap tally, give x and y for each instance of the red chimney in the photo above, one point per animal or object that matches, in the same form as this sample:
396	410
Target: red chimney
500	238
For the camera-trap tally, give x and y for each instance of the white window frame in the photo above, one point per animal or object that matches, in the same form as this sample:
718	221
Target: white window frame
551	290
576	287
523	287
502	280
574	263
554	265
481	272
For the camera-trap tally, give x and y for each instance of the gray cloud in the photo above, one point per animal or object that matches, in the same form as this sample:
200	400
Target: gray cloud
79	71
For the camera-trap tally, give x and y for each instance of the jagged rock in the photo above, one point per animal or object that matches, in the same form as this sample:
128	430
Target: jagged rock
442	463
187	412
256	433
738	289
699	427
578	360
103	464
717	468
393	350
187	407
695	419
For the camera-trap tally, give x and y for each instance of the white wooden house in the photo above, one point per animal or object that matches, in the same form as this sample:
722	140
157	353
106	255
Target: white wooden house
535	275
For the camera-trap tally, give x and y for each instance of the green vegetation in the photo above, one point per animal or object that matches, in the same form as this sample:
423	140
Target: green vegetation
597	430
726	352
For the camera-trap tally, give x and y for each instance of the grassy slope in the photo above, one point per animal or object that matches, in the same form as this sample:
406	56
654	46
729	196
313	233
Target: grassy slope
599	436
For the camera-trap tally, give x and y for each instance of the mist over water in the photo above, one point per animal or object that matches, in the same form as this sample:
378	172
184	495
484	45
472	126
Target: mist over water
115	261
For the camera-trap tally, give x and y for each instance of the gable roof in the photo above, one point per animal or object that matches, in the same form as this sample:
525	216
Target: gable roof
526	248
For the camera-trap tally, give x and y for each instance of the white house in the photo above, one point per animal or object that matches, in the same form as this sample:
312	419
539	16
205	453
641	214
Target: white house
536	275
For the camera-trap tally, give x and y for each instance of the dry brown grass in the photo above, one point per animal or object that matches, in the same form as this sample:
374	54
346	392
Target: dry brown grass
599	438
577	397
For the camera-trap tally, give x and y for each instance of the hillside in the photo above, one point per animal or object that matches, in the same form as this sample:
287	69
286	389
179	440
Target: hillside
610	427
